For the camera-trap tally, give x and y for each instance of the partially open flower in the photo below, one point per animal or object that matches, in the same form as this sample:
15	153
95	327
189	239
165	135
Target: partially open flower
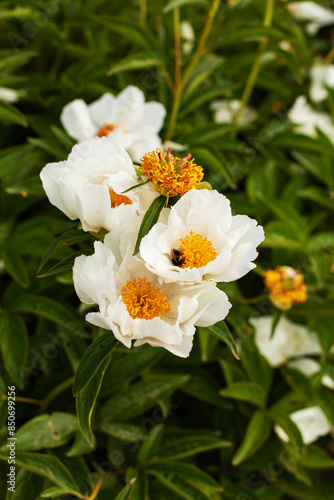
316	15
202	241
307	119
170	175
90	185
290	340
286	287
311	422
136	307
322	76
126	118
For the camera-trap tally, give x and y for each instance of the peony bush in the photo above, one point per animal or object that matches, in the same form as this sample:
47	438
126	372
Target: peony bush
166	250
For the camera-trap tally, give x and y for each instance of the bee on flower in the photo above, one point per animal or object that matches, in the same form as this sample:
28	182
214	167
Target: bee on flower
170	175
286	287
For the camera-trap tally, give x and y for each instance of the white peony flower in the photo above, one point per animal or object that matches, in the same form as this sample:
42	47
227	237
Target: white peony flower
307	119
322	75
202	241
290	340
135	307
225	111
311	11
8	95
126	118
311	422
89	185
310	367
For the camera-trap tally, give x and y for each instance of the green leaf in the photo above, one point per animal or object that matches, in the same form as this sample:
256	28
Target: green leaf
221	331
128	29
14	346
139	397
191	445
316	165
173	4
47	308
80	445
126	491
214	162
47	466
68	238
126	432
92	359
12	158
10	114
31	186
137	61
188	472
178	486
65	264
46	431
257	433
150	218
27	486
152	443
54	492
317	458
246	391
86	399
257	367
15	266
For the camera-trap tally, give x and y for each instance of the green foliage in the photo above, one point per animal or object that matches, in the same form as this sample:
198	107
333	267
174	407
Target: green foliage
143	423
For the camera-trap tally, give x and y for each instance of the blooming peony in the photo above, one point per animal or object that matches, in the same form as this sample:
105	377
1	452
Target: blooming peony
126	118
307	119
311	422
89	185
135	307
322	75
290	340
202	241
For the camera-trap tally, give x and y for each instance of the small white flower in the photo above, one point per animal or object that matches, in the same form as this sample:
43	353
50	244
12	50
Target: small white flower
89	185
311	422
225	111
8	95
202	241
311	11
322	75
187	37
307	119
310	367
290	340
126	118
135	307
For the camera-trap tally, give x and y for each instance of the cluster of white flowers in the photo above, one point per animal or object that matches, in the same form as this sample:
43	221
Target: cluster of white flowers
159	295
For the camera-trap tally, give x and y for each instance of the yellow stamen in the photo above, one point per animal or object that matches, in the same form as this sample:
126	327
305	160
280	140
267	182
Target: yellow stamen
118	199
286	287
196	251
144	301
106	129
170	175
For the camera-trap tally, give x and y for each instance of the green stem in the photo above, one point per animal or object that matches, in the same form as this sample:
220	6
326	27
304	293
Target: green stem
257	62
199	51
177	42
54	393
142	12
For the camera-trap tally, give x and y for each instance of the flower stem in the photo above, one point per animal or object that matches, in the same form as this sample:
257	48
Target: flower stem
142	12
25	400
199	51
96	490
177	42
330	57
257	62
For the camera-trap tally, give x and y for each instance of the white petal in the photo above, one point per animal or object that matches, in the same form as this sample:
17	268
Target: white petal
76	120
101	110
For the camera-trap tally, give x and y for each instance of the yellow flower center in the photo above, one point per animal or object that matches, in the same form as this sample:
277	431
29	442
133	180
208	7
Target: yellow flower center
144	301
106	129
286	286
118	199
195	251
170	175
